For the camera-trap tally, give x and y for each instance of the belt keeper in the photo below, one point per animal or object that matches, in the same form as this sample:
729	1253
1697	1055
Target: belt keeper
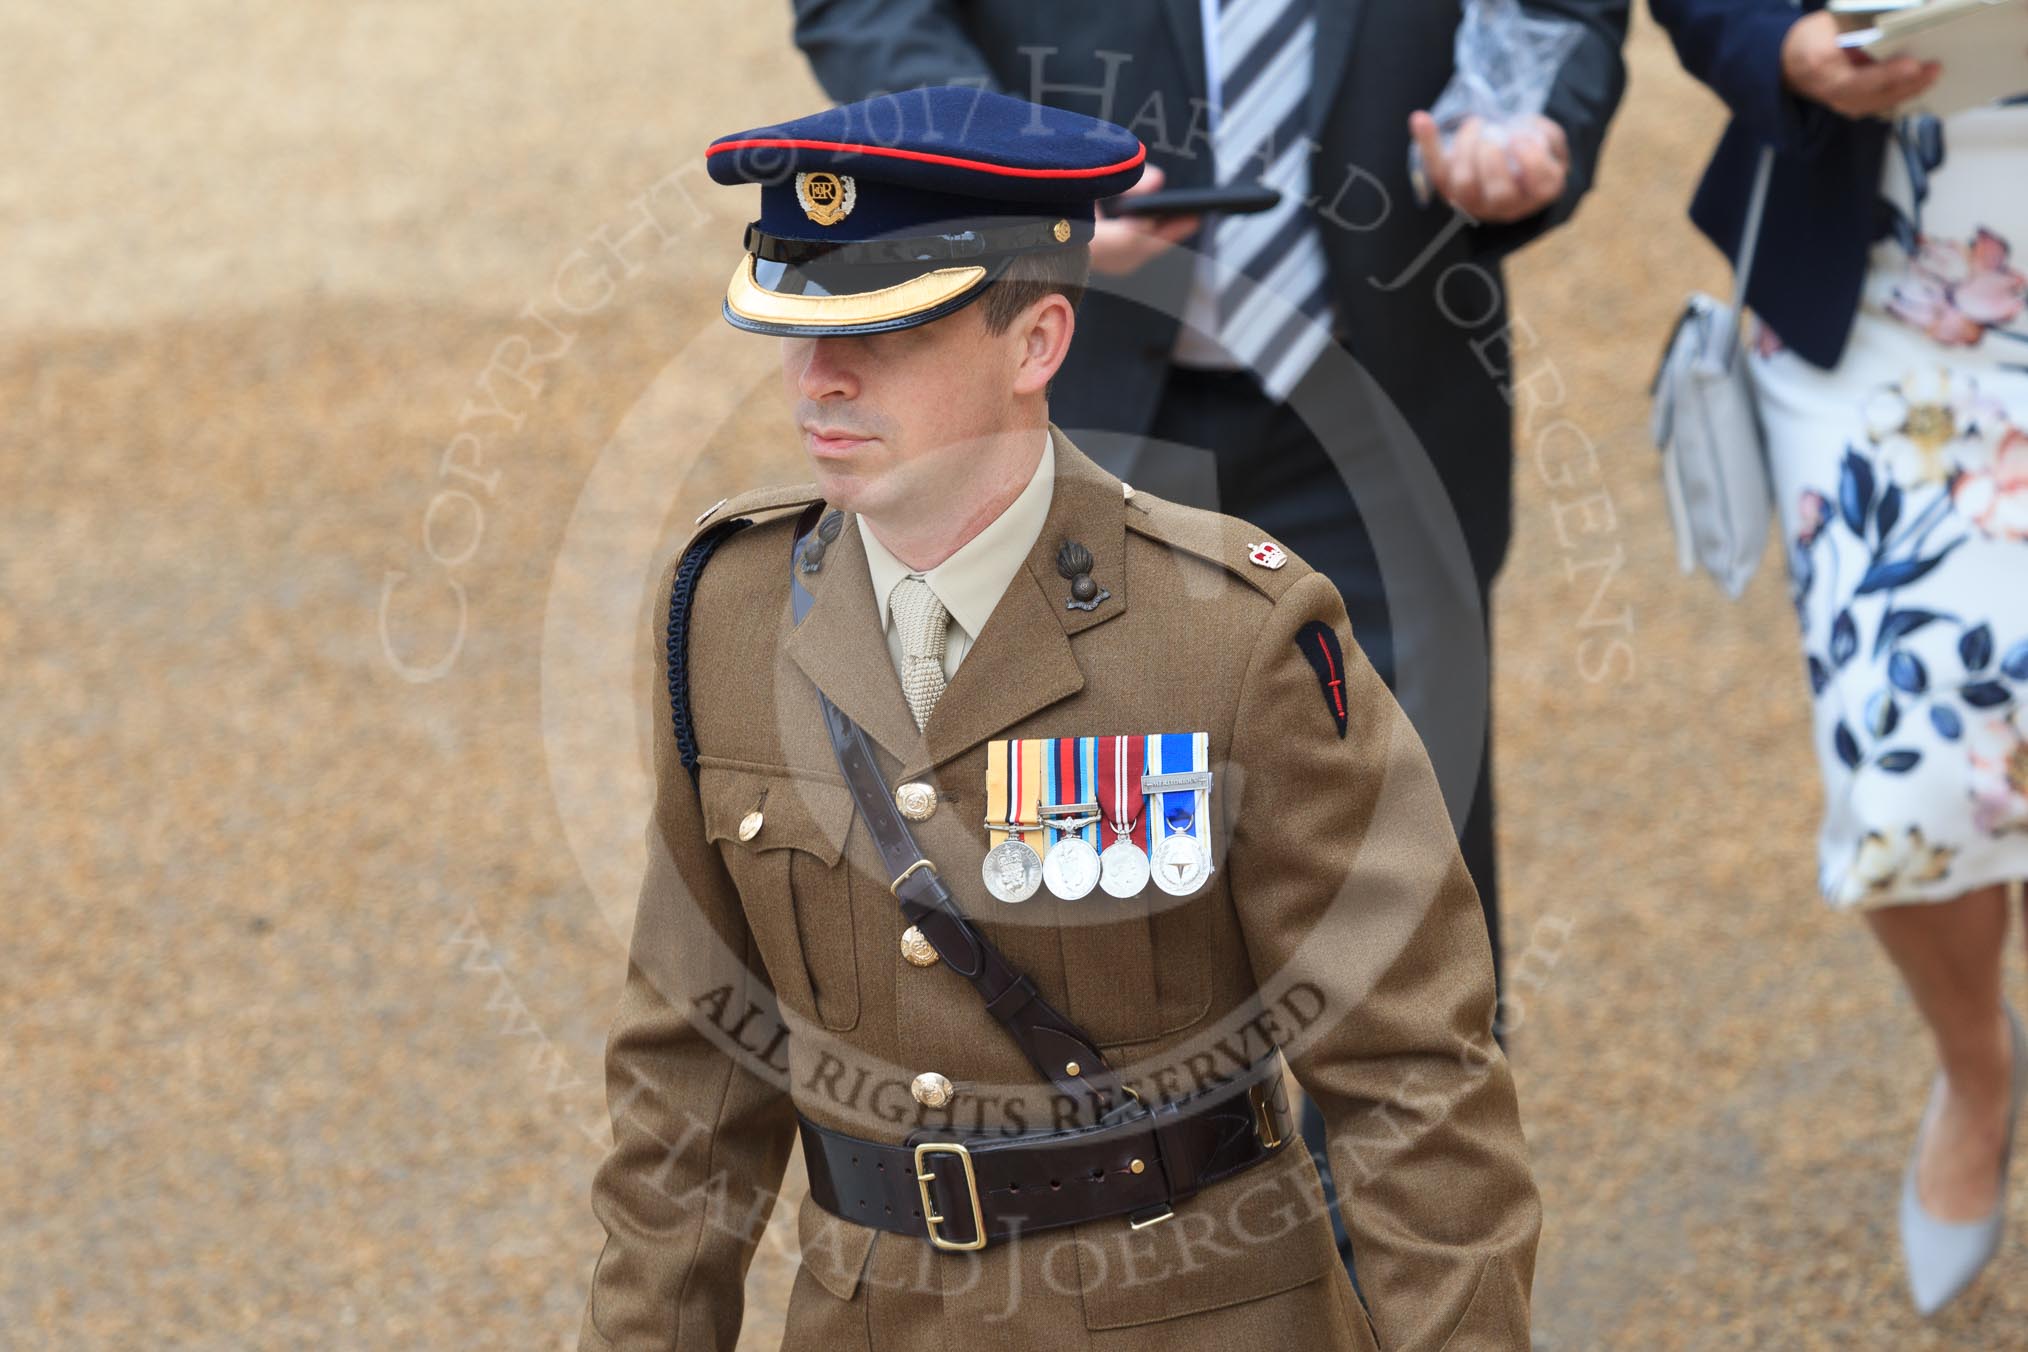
1266	1101
1165	1117
1160	1117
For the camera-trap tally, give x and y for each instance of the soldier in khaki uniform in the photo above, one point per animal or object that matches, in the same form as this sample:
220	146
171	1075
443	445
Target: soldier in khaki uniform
1034	1117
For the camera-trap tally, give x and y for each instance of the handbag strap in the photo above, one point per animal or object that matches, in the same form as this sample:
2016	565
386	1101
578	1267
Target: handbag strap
1057	1048
1749	239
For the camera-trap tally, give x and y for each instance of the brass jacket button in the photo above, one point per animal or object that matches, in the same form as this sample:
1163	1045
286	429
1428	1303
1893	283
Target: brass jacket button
932	1090
917	949
749	825
916	800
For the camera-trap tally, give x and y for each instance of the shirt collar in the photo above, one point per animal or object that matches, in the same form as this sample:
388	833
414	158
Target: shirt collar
972	581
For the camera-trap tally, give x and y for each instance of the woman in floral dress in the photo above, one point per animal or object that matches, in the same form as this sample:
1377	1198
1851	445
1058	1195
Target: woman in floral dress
1889	353
1902	476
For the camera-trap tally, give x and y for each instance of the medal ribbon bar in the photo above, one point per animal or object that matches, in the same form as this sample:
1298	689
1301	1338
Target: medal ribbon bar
1028	798
1014	784
1121	763
999	791
1176	769
1070	781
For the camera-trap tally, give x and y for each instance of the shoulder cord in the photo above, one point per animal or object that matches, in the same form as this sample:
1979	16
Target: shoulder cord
1055	1046
694	558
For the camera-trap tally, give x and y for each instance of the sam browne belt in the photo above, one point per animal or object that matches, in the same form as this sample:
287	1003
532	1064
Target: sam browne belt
1133	1160
966	1194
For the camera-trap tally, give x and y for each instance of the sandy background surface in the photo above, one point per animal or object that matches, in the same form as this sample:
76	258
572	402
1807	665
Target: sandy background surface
308	965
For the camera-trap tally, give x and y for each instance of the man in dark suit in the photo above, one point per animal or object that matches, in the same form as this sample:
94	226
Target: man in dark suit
1364	341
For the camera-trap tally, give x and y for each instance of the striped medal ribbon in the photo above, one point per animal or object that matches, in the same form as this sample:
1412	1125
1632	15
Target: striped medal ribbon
1178	784
1071	868
1013	870
1123	863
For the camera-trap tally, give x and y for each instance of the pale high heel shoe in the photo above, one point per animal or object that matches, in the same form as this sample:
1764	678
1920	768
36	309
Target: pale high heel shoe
1944	1256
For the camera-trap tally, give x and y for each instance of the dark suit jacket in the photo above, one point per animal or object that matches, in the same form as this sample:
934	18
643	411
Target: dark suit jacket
1425	340
1821	217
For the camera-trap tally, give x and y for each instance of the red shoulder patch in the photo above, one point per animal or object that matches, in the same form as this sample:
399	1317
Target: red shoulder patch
1327	659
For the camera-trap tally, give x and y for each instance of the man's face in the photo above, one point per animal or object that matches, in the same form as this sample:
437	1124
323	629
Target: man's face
894	417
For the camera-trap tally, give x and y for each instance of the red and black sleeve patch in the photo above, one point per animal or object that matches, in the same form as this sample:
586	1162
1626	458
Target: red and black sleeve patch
1327	659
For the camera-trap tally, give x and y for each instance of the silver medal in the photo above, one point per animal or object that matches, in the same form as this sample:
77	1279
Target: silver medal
1013	871
1123	869
1180	866
1071	868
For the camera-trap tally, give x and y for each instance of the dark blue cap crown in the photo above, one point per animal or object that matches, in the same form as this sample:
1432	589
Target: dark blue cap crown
895	210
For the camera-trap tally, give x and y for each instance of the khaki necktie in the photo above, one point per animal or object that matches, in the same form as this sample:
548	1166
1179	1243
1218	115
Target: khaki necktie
922	622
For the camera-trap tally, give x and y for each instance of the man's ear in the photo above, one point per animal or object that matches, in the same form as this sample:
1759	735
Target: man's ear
1045	328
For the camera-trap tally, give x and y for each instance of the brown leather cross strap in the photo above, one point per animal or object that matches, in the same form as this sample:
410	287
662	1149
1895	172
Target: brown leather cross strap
971	1193
1057	1048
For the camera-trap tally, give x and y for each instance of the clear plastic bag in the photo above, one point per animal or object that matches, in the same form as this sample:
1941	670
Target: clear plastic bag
1506	61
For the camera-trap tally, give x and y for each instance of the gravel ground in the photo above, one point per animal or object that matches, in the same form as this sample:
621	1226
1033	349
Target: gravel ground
310	963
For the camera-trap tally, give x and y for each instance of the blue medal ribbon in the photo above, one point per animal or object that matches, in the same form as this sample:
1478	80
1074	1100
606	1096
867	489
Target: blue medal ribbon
1087	779
1179	752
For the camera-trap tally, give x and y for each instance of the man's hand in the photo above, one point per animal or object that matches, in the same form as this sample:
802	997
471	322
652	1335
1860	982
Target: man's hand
1490	181
1120	244
1815	67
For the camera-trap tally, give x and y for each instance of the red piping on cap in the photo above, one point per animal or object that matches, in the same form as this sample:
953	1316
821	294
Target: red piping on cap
1140	153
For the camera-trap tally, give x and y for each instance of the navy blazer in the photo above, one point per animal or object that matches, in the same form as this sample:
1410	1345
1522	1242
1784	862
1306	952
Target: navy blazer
1822	213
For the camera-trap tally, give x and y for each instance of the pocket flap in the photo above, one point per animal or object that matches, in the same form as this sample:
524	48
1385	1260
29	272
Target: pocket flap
834	1250
796	812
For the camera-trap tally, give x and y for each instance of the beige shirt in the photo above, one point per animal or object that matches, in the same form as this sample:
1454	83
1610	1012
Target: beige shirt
972	581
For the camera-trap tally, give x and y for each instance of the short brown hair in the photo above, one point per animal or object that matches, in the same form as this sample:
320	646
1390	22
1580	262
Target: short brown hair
1030	277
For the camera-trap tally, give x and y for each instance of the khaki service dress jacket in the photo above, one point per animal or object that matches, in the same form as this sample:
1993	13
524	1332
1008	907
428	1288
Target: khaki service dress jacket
766	976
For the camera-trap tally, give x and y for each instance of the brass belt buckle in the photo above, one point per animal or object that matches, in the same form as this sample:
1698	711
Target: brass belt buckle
895	886
1262	1095
925	1176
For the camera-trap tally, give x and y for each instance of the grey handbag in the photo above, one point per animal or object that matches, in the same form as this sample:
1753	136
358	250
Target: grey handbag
1707	426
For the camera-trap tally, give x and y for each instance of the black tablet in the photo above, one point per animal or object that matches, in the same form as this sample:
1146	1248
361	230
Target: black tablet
1237	200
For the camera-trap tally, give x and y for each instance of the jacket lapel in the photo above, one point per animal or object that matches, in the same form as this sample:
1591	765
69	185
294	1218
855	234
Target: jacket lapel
841	647
1023	661
1186	26
1336	20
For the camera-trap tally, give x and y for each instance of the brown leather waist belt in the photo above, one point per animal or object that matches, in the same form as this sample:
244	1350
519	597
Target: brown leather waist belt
966	1194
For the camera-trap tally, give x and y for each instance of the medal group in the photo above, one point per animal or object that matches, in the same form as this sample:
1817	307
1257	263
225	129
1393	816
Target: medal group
1107	813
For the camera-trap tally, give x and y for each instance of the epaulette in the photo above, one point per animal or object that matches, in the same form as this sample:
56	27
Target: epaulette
757	501
717	524
1241	549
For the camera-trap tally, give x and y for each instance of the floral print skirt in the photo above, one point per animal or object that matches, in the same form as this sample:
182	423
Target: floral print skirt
1902	482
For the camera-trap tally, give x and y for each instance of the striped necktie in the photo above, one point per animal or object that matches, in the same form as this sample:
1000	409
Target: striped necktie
1265	66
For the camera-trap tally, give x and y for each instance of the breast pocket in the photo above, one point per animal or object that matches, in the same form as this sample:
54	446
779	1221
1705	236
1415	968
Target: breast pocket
783	840
1135	968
